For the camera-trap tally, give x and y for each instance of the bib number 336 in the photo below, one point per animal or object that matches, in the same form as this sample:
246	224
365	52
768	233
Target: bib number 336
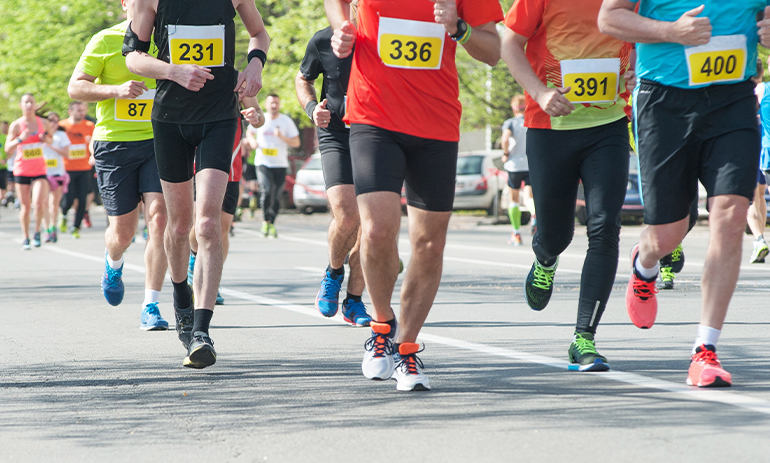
721	60
410	44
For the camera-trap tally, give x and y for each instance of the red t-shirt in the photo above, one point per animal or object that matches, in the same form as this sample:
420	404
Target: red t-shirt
419	96
79	150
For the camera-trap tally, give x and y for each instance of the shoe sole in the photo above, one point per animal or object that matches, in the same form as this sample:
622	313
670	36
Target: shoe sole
200	358
760	259
153	328
598	365
416	388
718	382
351	322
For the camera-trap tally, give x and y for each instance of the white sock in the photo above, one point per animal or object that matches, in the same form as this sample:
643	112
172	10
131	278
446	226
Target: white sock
115	264
646	273
150	296
706	335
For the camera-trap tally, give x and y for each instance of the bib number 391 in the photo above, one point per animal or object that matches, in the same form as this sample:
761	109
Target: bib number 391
201	45
591	80
409	44
721	60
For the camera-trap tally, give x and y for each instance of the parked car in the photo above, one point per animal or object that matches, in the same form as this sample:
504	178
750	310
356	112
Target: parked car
479	179
287	197
309	189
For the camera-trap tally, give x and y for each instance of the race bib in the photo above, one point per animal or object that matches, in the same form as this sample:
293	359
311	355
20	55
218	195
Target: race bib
592	80
409	44
77	151
723	59
201	45
270	151
32	150
51	163
135	109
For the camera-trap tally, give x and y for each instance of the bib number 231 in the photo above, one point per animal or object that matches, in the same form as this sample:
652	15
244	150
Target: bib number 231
201	45
410	44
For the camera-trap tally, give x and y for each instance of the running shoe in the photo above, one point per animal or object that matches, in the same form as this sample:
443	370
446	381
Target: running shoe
220	300
271	232
677	259
400	266
378	356
265	229
151	319
36	240
327	300
25	245
667	277
76	233
63	224
252	205
641	302
515	239
112	283
184	324
706	370
49	236
145	233
408	371
538	286
55	235
190	269
201	353
583	352
86	221
354	312
760	251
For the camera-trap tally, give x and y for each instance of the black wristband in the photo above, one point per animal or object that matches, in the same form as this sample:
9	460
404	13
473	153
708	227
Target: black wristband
257	53
131	42
309	108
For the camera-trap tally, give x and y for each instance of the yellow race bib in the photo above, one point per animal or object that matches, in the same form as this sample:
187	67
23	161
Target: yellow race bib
721	60
136	109
409	44
270	151
201	45
32	151
77	151
591	80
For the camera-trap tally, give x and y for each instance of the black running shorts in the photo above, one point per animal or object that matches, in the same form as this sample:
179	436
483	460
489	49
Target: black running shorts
25	180
515	179
382	160
335	157
686	135
232	193
175	148
125	171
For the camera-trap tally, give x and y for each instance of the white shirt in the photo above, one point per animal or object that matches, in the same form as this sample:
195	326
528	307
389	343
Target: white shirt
271	150
517	145
54	163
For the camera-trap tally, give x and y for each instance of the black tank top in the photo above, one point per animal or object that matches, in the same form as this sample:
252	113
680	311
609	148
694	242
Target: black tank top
216	101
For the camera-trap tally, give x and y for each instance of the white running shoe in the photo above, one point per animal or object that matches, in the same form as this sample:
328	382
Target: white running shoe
408	372
378	359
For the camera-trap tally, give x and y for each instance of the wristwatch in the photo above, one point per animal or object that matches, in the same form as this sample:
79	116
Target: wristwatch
462	27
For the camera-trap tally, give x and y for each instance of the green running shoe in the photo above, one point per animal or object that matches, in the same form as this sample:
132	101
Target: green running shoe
63	224
583	352
539	285
265	229
677	259
271	232
667	277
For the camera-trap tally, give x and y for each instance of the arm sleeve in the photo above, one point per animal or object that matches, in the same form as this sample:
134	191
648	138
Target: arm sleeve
92	60
478	12
311	64
525	17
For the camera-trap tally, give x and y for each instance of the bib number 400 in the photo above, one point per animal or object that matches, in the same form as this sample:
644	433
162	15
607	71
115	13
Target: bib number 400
719	66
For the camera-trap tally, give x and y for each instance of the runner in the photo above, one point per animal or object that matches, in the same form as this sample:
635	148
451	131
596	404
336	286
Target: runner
194	117
125	163
577	119
253	115
274	139
695	120
757	216
333	143
55	151
514	142
405	126
79	131
3	163
25	138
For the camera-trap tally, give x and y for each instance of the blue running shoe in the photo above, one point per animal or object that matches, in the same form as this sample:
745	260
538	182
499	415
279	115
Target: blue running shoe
190	269
327	300
354	312
151	319
220	300
112	284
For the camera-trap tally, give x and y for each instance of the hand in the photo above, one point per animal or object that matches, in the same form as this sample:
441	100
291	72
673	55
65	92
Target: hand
764	28
344	39
24	134
445	13
277	132
131	89
321	115
689	30
554	103
190	76
250	80
251	115
630	77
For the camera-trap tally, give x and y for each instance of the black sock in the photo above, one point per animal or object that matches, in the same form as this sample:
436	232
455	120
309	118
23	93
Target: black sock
335	272
201	320
392	322
182	295
352	296
193	253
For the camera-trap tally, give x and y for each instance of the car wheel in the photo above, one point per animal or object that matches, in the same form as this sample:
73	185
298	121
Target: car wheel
307	210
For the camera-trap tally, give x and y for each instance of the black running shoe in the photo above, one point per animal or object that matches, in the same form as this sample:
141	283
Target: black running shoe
583	352
201	353
539	285
184	325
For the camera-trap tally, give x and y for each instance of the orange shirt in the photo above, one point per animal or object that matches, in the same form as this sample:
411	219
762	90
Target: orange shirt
79	150
404	77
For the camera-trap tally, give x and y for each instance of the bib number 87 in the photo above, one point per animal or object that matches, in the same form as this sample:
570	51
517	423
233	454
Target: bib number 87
132	109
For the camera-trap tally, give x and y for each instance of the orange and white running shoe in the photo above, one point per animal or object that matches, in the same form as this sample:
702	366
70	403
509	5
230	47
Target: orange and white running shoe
408	371
641	302
706	370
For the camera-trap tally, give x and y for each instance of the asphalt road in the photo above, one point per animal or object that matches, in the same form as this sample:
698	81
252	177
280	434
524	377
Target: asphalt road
80	382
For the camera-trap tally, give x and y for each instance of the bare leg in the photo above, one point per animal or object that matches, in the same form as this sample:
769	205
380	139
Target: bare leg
356	283
657	241
120	232
39	199
211	185
757	214
23	193
154	253
344	232
180	220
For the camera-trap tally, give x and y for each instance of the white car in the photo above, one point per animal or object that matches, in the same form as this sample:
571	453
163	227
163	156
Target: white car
479	178
309	187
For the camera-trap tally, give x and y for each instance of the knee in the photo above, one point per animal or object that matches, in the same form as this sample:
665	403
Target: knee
348	220
157	221
179	229
374	236
603	234
123	235
208	229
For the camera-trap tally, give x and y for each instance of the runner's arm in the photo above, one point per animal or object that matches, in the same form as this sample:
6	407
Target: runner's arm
504	139
251	139
305	94
344	37
11	141
82	87
618	19
551	100
252	112
250	80
484	44
764	28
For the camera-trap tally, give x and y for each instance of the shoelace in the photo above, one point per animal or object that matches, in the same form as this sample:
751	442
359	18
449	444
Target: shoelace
331	287
113	275
643	289
203	339
152	309
585	346
543	278
677	254
355	310
707	357
409	363
380	344
666	274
